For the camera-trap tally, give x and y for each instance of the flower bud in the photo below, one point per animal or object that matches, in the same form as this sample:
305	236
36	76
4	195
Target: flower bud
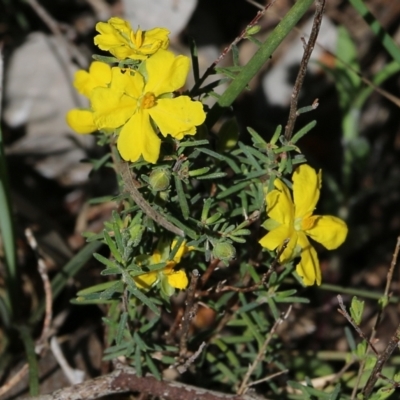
159	179
224	251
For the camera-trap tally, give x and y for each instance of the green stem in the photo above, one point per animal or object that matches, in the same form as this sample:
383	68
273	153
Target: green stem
386	40
8	237
262	55
357	292
29	345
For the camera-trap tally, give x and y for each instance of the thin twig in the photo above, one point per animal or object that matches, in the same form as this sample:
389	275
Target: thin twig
14	380
210	269
261	353
345	314
395	100
268	378
211	69
319	10
169	339
184	367
190	312
41	344
380	362
54	27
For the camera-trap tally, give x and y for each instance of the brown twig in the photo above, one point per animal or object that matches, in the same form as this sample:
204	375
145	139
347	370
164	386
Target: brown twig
381	361
308	49
345	314
14	380
182	368
54	27
189	314
41	343
386	295
261	353
125	380
210	269
122	169
211	69
169	339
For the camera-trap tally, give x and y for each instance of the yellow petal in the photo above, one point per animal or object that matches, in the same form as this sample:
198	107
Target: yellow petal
330	231
111	108
157	35
174	116
145	281
113	34
308	267
122	81
81	121
137	138
279	204
166	73
183	249
306	188
178	279
120	25
99	75
276	238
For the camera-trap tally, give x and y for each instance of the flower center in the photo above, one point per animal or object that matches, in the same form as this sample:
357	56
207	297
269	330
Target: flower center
148	100
305	223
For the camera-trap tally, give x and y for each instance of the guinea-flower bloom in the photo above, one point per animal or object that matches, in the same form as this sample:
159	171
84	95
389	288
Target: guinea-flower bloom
292	220
137	104
175	279
118	37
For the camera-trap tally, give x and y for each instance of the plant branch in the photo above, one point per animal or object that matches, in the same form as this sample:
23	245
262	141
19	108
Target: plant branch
125	379
308	49
122	169
190	312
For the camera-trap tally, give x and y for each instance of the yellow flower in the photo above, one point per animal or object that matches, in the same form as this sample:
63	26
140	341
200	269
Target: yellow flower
99	75
175	279
117	37
137	104
294	220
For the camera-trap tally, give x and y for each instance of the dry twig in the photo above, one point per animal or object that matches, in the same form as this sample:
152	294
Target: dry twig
124	380
190	312
308	49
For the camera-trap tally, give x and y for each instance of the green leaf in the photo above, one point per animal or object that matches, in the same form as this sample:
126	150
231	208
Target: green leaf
108	263
152	367
214	175
121	328
356	310
181	197
206	208
112	247
139	342
297	136
29	346
195	60
198	172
